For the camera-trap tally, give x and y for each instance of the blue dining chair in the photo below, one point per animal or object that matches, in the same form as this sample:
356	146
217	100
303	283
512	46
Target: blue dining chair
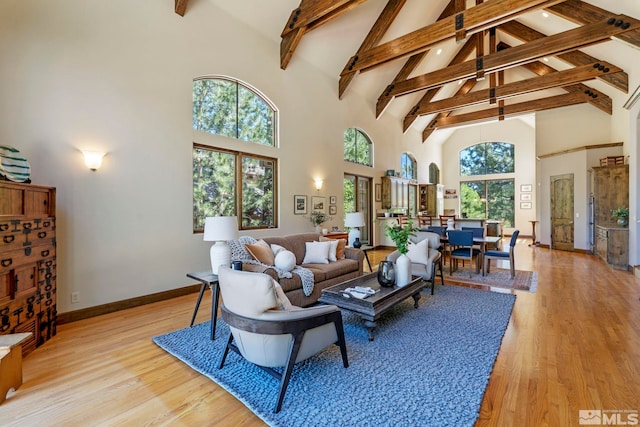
461	243
489	255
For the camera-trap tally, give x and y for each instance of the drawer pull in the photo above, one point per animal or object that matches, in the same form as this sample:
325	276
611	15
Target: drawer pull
8	239
4	227
42	234
45	253
6	262
46	223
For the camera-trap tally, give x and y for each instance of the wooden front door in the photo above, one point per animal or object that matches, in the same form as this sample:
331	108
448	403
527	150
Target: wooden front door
562	212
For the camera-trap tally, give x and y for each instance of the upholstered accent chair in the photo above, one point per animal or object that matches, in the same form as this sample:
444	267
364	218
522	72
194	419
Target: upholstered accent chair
461	244
268	332
425	265
489	255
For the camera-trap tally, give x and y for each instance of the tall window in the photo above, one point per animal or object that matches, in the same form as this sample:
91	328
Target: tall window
408	166
434	174
487	158
489	198
228	183
357	147
224	106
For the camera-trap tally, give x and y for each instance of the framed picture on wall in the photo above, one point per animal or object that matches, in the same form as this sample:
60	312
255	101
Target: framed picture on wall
332	200
333	210
525	197
318	204
526	188
525	205
299	205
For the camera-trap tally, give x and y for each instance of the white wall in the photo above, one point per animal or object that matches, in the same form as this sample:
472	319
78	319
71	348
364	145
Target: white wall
117	76
513	131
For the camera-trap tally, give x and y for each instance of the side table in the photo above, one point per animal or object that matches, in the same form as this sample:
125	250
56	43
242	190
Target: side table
365	249
11	362
534	241
207	278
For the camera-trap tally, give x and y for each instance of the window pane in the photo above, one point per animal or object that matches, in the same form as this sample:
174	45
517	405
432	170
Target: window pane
213	185
472	160
501	200
473	199
214	107
255	118
499	157
350	145
357	147
258	202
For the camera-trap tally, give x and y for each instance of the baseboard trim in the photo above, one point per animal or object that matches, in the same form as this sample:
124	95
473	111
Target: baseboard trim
85	313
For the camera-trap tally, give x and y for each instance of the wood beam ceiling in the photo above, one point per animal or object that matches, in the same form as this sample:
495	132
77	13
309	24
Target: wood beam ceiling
180	6
309	15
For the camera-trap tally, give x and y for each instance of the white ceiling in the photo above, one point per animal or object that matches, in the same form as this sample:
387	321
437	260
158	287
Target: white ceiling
330	46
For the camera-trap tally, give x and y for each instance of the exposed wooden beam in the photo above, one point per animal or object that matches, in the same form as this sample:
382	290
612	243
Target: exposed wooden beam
575	58
180	6
461	56
474	19
518	55
547	81
464	89
585	13
306	17
376	33
408	67
514	109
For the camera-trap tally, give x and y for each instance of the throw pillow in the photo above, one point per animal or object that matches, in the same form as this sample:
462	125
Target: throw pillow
261	251
316	253
285	260
277	248
419	252
342	243
332	249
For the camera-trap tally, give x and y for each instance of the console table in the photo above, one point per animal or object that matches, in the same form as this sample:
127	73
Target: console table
207	278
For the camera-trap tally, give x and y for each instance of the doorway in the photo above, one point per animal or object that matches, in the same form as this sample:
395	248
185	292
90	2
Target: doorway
562	212
357	198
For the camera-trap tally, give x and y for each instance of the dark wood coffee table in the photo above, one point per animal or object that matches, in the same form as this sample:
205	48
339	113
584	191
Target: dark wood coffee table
371	308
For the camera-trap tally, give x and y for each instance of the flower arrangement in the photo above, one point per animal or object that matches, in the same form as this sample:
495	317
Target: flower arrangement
400	235
318	218
620	212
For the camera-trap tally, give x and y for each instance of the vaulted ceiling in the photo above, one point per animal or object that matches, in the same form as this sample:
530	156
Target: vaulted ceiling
443	63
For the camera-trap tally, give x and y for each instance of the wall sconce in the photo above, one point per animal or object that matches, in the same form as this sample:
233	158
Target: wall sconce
93	159
318	184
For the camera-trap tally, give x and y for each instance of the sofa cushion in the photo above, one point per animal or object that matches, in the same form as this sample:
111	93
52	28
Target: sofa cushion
316	253
334	269
419	252
295	243
261	251
285	260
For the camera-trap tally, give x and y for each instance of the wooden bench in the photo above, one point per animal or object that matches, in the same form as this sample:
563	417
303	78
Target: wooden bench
11	362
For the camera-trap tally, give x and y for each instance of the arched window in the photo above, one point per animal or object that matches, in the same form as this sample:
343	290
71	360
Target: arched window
224	106
434	174
408	166
357	147
228	182
487	158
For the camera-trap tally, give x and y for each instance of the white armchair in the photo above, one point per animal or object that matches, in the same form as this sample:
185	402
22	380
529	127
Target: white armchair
427	270
269	336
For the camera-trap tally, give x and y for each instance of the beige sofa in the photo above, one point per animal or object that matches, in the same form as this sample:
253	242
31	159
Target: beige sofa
324	275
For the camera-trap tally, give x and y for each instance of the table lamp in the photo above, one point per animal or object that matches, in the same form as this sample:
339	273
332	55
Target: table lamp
220	229
354	220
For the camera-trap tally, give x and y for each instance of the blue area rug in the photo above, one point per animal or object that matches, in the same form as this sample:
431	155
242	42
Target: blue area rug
426	367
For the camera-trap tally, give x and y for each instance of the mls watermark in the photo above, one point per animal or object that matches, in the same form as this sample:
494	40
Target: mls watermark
607	417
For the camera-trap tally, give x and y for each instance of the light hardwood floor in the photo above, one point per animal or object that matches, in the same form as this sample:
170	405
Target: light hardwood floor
575	344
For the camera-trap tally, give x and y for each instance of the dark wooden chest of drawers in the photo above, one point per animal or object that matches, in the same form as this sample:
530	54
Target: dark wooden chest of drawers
28	262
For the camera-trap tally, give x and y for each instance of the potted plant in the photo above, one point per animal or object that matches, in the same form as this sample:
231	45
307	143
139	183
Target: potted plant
400	236
622	213
318	218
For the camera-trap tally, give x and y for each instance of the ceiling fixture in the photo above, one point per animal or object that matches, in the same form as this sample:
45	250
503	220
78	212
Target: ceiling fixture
439	52
545	14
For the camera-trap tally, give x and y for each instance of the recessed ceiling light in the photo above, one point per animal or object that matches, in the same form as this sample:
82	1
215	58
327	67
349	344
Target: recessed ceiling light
545	59
439	52
545	14
459	82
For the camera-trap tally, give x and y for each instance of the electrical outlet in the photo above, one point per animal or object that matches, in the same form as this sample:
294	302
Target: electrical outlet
75	297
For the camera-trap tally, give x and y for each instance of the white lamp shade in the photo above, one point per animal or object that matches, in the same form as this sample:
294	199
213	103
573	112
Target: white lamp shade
93	159
220	228
354	219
